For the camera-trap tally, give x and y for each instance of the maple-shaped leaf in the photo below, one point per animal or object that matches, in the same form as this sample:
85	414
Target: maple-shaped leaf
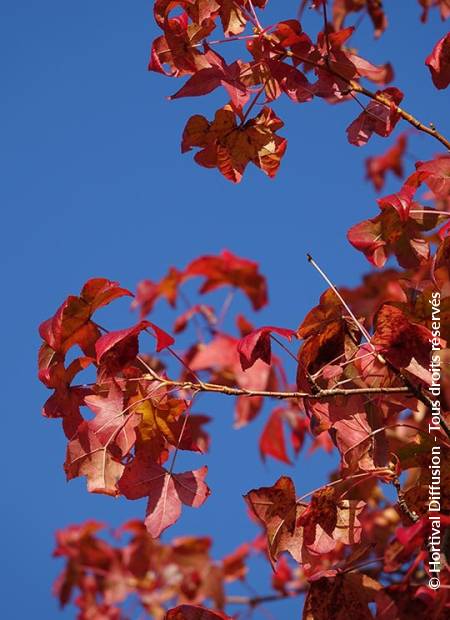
257	345
301	530
277	509
149	292
399	339
328	520
272	440
325	331
88	456
71	324
167	491
177	52
395	231
100	444
391	161
194	612
113	424
230	146
227	269
438	62
379	117
340	597
116	349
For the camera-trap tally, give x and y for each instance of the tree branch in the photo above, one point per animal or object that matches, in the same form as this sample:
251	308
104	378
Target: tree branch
354	86
409	118
254	601
234	391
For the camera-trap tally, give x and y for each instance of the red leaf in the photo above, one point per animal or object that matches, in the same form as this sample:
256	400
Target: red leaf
382	74
378	166
88	456
71	323
272	441
230	145
435	174
291	81
124	342
167	491
438	62
378	117
228	269
112	424
256	345
149	292
221	357
194	612
219	73
401	202
399	339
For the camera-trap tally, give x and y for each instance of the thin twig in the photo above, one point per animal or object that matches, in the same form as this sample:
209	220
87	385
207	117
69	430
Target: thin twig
358	324
325	30
233	391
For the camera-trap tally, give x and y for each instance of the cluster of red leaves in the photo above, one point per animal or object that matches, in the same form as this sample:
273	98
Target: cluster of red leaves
279	59
139	417
402	224
101	577
362	373
126	422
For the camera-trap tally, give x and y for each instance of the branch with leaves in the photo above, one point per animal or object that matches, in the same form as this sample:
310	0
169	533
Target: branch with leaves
361	380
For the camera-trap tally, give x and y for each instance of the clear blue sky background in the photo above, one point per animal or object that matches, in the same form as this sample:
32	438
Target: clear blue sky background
94	185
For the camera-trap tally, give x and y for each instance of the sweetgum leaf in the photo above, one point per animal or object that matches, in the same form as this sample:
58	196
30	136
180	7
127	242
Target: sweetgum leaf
257	345
167	492
379	118
438	62
194	612
341	597
227	269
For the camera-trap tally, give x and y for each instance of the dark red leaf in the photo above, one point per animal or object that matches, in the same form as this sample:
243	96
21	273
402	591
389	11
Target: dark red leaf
379	117
194	612
256	345
438	62
227	269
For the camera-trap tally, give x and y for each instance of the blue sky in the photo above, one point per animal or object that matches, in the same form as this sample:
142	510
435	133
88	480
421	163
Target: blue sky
94	185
